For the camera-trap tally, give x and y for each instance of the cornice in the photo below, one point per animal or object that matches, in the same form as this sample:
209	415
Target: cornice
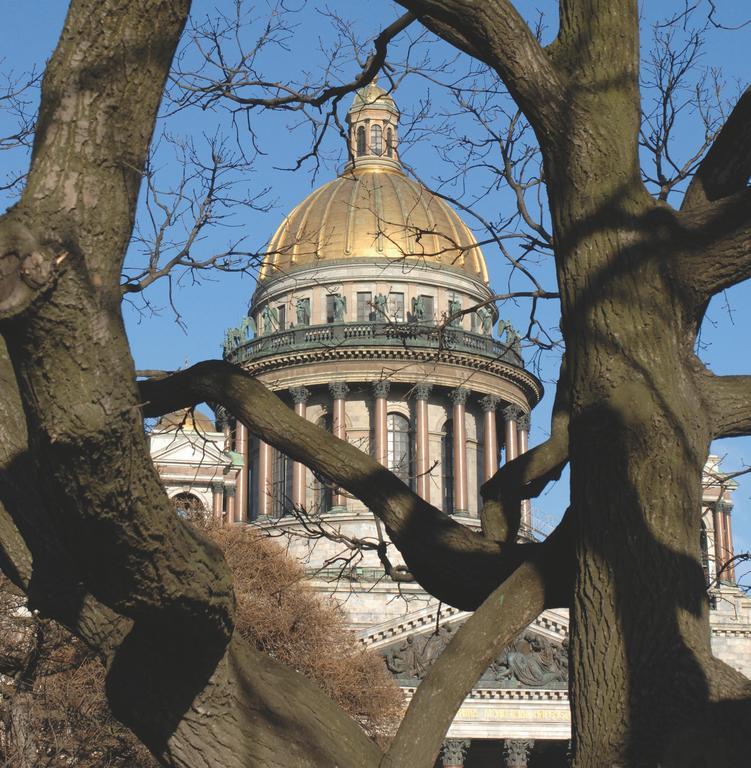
524	380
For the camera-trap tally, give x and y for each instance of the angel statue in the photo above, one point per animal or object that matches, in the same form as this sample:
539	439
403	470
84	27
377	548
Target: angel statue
270	319
340	307
485	316
380	306
247	328
418	309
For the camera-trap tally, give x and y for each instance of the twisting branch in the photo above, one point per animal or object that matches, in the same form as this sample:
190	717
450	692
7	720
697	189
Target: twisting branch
452	562
238	77
728	401
497	35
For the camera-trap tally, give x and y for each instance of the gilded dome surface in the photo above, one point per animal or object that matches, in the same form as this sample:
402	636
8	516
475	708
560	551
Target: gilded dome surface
374	211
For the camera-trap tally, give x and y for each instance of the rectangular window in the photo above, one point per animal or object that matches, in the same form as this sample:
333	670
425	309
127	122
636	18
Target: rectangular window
364	306
330	308
428	309
282	310
396	307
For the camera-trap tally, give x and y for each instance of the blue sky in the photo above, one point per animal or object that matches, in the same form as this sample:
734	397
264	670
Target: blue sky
28	35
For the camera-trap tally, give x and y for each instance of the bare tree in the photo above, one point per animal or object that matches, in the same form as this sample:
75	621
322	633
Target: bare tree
87	532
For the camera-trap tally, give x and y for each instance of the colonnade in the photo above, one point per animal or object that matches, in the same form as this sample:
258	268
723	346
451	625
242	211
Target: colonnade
516	430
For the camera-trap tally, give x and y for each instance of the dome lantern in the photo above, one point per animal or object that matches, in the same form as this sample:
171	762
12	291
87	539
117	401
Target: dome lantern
373	119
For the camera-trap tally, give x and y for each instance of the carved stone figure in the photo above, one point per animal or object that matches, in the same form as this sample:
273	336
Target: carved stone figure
247	328
418	309
530	661
302	311
270	317
485	316
513	340
380	306
340	307
455	306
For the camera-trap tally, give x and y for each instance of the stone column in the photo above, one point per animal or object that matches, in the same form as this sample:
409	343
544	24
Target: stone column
217	500
241	446
459	398
300	397
723	509
422	443
453	752
729	539
490	405
264	479
380	426
718	522
511	416
229	493
339	392
522	432
516	752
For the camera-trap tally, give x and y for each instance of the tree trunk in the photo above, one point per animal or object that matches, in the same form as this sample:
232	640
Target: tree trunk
643	675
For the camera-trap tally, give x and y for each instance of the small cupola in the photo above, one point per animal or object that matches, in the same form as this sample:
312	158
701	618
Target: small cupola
373	120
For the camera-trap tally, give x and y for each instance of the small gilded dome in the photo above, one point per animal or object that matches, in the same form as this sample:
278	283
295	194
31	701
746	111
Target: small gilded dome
372	96
374	212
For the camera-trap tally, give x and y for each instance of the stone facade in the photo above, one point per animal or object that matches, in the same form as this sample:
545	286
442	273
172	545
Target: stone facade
373	317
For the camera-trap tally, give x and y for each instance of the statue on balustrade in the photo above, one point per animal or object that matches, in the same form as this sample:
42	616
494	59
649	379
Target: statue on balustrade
270	317
455	306
302	311
340	307
235	337
418	309
513	340
485	316
380	307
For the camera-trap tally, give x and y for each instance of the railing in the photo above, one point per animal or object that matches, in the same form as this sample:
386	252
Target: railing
408	335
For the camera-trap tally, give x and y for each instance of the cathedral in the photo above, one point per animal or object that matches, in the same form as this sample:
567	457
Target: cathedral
374	318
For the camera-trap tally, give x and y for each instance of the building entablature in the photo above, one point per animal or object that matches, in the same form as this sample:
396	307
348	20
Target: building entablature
399	365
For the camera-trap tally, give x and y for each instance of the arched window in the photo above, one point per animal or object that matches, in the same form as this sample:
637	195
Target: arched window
389	142
376	139
322	488
361	141
447	466
399	447
188	506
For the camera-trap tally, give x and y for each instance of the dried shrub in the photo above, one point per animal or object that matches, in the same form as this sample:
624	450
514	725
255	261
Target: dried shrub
283	616
53	708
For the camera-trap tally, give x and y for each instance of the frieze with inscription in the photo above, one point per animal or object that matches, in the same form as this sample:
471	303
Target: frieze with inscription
531	661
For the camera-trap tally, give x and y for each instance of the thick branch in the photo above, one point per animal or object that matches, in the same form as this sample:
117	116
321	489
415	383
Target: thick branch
452	562
526	476
713	246
500	618
728	400
496	34
727	166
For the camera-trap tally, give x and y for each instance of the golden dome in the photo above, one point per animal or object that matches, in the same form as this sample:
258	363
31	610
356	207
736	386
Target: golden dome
372	96
374	211
187	420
